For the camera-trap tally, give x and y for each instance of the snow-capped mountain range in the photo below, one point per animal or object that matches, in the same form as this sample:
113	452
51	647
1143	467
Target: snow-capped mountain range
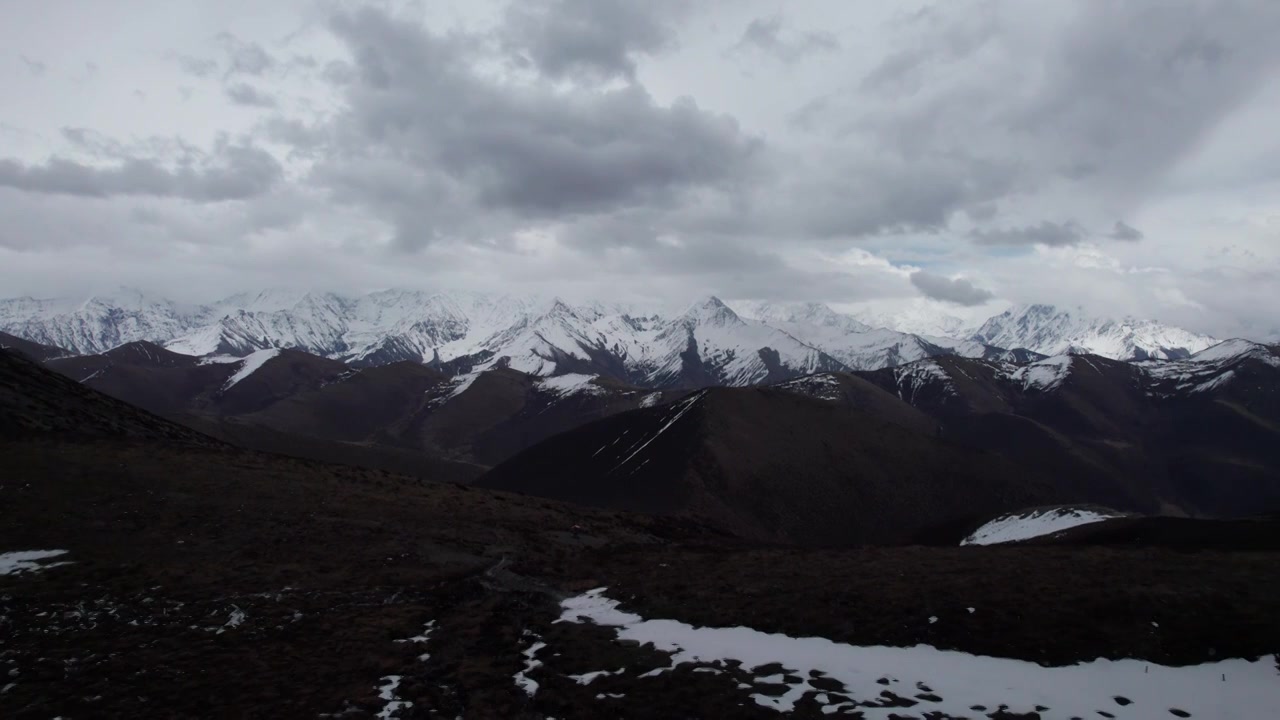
1052	331
710	342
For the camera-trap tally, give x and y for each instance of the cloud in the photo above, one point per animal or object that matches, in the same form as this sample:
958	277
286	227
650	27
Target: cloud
35	67
550	141
594	40
937	39
958	291
1133	87
1046	233
243	57
249	96
1125	232
239	172
769	35
197	66
443	151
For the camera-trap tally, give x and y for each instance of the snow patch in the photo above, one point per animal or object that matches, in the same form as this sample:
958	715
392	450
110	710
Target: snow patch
250	365
460	384
822	387
914	376
388	692
12	563
956	681
1044	374
421	639
571	384
531	663
234	621
588	678
1033	523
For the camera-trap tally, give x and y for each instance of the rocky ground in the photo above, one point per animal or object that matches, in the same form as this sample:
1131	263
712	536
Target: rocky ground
211	582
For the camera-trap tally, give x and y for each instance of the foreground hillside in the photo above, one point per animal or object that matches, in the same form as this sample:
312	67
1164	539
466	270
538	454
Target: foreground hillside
198	579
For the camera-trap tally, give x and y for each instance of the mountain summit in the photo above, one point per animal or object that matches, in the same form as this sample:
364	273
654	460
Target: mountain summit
1049	330
709	342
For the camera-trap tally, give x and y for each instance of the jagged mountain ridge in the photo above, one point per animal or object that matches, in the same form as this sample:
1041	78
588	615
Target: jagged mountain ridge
710	343
1053	331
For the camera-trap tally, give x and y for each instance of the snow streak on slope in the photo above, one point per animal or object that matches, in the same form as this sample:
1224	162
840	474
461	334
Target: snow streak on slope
250	365
1034	523
629	452
956	681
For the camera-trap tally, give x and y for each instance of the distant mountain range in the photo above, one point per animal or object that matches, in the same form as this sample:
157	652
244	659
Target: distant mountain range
709	343
831	456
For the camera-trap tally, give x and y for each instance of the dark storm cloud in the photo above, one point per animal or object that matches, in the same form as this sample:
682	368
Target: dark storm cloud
429	142
1123	231
770	35
1046	233
239	172
589	39
959	291
857	196
249	96
1133	87
1120	93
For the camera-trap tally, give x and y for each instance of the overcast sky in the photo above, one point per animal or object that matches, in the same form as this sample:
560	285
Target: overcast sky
1118	155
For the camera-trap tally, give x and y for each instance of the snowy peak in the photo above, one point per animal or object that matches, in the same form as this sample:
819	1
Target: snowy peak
710	343
1053	331
710	311
1213	368
919	317
809	313
1234	350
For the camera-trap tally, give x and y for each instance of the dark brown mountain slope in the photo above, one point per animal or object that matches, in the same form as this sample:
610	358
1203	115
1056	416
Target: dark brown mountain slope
31	349
1199	439
296	403
36	401
773	465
